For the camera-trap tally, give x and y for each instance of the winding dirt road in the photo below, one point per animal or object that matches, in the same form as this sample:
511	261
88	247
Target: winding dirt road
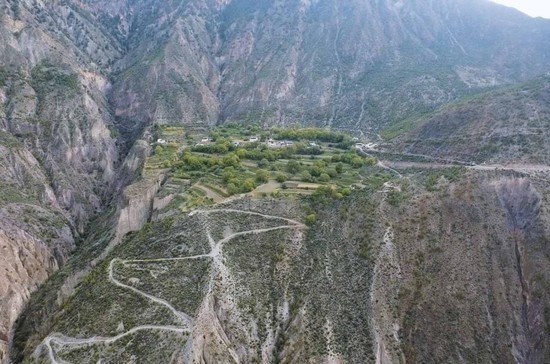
442	163
185	319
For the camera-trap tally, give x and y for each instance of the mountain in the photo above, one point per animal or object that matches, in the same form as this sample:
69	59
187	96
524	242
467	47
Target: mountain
455	273
350	65
85	85
58	153
506	126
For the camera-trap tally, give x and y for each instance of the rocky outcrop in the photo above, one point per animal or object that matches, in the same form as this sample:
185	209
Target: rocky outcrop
35	233
26	263
139	199
132	210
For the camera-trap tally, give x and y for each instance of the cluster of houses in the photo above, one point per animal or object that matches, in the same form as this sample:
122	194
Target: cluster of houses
279	143
271	143
365	146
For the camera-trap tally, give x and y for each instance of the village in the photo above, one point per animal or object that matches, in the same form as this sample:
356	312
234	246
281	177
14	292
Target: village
233	159
270	143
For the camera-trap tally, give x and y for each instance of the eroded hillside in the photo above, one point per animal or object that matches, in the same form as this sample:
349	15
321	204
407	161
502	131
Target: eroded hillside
456	272
506	126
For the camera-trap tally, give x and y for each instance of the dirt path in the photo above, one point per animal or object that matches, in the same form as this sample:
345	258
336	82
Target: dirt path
187	322
101	340
384	165
529	169
183	317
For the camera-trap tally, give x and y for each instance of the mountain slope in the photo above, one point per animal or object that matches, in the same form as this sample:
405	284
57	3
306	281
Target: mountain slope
454	274
505	126
351	64
58	154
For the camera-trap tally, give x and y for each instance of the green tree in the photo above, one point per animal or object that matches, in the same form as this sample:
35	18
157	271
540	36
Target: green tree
262	176
324	177
232	189
306	177
228	174
339	167
357	162
193	163
248	185
281	177
316	171
293	167
241	153
231	159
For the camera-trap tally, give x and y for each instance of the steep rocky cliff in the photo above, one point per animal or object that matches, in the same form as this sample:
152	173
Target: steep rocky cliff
58	155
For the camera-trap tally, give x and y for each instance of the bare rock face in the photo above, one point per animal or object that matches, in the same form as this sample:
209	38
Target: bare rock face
54	101
26	263
350	65
57	152
35	234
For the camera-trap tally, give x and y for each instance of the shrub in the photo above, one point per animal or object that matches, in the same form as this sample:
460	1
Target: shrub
232	189
293	167
370	161
311	219
316	171
263	163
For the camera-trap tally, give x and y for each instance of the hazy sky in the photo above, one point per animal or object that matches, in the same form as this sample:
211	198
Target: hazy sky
531	7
